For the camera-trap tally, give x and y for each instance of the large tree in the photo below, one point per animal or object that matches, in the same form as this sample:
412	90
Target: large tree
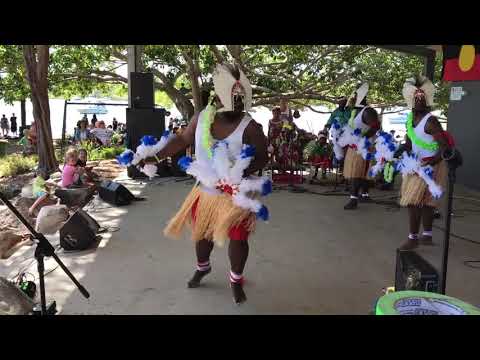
305	74
36	68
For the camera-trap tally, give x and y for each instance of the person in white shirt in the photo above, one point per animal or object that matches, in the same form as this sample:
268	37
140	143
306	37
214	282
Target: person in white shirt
103	135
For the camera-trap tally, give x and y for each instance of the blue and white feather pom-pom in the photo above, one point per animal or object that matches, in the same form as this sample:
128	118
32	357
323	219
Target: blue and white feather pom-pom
410	164
385	148
149	147
225	173
336	131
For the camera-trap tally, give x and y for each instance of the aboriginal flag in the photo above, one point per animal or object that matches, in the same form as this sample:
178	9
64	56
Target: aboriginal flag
461	62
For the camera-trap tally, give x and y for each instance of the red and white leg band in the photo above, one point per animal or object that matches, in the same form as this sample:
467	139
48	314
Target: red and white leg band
236	278
203	266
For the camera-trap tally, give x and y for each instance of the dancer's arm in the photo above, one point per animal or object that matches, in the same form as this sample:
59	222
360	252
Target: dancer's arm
181	141
435	129
254	136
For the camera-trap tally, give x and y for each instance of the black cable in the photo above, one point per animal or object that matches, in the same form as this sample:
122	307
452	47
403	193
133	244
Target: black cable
469	262
458	236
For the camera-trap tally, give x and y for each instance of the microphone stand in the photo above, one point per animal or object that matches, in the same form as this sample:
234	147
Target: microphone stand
44	249
454	160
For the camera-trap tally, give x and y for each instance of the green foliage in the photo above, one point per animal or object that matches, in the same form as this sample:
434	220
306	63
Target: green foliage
16	164
13	83
307	74
102	153
162	99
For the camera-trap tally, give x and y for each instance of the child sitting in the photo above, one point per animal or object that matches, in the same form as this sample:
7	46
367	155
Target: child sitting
71	173
87	177
40	191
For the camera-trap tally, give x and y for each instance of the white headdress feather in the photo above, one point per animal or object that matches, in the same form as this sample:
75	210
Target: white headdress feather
362	92
223	81
410	87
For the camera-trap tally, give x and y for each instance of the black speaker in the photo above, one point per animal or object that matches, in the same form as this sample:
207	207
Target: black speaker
413	272
79	231
115	193
141	122
142	90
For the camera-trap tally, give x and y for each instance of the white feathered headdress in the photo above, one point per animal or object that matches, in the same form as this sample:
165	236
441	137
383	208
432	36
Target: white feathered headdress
415	84
361	93
227	87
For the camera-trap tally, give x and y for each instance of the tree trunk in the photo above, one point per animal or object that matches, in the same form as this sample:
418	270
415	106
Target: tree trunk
36	64
23	115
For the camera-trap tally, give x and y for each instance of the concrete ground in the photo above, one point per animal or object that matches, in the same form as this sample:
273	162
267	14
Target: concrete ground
311	258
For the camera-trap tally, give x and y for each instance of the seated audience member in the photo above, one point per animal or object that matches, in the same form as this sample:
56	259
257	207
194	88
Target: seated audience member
40	191
82	133
70	173
321	155
101	134
87	177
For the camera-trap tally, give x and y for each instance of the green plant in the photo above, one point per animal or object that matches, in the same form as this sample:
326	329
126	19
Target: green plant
102	153
17	164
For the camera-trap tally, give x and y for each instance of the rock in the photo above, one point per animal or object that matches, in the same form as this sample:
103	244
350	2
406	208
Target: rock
27	191
56	176
10	242
51	218
12	300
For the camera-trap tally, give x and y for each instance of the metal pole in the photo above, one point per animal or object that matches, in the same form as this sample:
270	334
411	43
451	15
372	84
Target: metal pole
448	220
64	127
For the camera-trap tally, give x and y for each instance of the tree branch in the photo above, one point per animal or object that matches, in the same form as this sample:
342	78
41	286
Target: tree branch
218	55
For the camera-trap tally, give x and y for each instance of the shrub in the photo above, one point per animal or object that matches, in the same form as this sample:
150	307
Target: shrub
17	164
102	153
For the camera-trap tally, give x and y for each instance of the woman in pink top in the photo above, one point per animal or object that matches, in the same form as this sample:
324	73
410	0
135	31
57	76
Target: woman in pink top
70	174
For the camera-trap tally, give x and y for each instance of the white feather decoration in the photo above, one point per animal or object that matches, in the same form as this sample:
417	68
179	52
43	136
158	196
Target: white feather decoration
150	170
241	200
252	184
223	82
248	91
336	132
221	160
204	173
410	164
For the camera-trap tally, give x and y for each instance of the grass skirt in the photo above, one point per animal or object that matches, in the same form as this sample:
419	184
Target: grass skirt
214	217
414	190
355	167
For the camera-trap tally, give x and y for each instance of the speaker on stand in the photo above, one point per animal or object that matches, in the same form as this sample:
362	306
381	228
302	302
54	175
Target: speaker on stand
143	118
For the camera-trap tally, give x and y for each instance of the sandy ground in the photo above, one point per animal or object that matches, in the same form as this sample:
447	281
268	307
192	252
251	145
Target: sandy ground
311	258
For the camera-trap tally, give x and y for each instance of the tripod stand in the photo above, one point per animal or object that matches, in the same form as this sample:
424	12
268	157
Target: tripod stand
44	249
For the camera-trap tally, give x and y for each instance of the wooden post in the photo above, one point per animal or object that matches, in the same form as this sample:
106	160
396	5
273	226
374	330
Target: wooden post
23	116
430	66
64	127
134	64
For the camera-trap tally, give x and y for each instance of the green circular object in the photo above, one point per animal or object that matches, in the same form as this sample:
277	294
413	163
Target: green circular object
422	303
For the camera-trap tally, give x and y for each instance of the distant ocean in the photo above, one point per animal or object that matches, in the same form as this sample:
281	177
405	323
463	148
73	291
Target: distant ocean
309	120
